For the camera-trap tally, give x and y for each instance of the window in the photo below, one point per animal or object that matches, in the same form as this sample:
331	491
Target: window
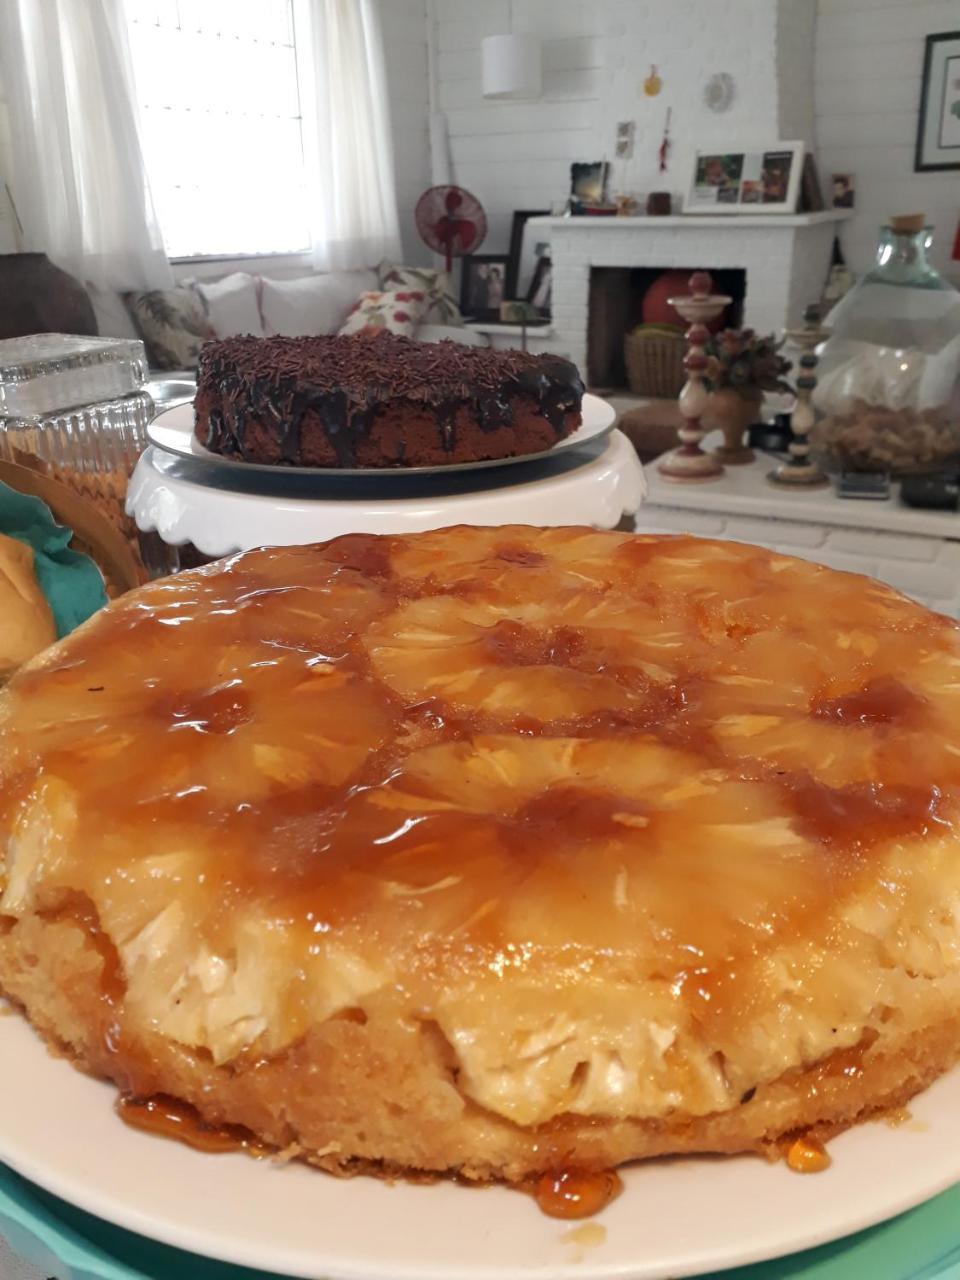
216	81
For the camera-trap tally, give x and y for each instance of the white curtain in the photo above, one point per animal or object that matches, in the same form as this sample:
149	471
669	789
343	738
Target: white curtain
346	134
78	178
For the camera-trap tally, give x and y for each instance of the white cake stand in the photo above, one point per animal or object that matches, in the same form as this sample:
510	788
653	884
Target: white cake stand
221	510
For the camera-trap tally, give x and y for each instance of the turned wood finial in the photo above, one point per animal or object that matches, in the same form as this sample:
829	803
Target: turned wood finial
688	463
799	470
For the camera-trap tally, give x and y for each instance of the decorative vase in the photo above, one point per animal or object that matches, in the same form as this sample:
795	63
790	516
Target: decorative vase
887	396
732	412
37	297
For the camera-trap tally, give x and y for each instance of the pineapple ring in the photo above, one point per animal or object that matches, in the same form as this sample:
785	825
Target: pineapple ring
564	658
500	774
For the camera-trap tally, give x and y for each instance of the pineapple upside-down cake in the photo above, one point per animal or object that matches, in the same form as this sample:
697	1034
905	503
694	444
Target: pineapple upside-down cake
493	850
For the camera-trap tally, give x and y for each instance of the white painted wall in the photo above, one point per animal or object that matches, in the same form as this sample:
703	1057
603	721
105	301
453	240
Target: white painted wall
517	155
796	23
869	64
8	239
404	26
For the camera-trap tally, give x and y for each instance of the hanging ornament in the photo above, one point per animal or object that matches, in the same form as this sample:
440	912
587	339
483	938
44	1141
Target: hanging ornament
664	152
719	92
653	84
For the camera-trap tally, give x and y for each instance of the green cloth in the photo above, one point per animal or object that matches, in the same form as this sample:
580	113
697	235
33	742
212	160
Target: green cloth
71	582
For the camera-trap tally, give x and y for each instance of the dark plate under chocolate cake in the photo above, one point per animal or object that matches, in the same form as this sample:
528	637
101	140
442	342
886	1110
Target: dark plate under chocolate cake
381	401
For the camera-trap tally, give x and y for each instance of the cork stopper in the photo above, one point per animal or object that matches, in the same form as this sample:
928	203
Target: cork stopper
909	223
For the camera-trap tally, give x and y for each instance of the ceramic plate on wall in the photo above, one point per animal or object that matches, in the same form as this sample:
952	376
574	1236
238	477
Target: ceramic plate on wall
173	430
674	1218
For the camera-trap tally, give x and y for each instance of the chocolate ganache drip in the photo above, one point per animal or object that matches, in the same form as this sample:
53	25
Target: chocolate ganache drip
259	399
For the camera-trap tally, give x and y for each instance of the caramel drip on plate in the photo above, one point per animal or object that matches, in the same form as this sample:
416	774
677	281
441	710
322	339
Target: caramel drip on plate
166	1117
576	1193
808	1155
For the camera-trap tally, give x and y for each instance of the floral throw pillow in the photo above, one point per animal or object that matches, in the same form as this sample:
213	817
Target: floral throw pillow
441	308
393	311
173	324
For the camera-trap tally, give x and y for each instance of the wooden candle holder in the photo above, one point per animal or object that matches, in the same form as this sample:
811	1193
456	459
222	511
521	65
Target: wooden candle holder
799	470
688	464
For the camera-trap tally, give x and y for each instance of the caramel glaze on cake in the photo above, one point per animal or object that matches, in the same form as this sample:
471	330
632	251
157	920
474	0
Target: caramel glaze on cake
506	852
362	401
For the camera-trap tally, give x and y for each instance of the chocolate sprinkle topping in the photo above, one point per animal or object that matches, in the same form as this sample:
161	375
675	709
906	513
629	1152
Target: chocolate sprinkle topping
344	381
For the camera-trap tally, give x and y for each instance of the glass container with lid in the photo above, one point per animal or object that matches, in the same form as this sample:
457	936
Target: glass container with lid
44	373
74	407
888	388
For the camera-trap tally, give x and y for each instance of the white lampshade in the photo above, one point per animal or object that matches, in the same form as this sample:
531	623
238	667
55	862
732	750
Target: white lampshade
511	67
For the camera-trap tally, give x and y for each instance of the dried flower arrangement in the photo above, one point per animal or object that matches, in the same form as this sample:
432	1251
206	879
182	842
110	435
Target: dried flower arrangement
740	360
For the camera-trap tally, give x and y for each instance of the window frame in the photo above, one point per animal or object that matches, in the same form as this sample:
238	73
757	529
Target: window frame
276	258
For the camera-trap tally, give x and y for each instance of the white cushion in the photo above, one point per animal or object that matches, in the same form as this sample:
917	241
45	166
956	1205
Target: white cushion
437	333
312	305
113	318
232	304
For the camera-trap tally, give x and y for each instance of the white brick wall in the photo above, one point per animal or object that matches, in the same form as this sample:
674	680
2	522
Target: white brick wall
862	65
596	55
926	568
869	63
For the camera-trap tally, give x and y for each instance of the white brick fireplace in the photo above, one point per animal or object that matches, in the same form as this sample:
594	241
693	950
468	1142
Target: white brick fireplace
785	257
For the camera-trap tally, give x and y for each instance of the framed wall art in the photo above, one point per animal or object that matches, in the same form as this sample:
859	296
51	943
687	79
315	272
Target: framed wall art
938	129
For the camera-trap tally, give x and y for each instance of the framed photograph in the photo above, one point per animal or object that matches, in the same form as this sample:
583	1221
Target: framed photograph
523	253
588	182
938	130
541	284
843	189
746	180
483	285
811	192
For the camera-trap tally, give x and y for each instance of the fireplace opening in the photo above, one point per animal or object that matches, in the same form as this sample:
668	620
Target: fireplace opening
617	296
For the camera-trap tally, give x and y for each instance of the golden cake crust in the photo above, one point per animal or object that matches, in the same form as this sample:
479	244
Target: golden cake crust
493	850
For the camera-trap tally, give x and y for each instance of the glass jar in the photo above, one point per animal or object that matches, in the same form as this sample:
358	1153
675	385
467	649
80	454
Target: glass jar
888	380
74	408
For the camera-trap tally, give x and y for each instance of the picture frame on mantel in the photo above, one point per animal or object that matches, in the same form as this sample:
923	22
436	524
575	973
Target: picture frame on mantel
522	259
483	285
746	180
938	128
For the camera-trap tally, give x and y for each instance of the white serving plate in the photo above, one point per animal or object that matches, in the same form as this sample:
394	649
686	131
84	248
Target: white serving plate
173	430
674	1218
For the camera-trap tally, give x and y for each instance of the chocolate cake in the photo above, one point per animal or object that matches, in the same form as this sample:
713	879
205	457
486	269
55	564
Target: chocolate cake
362	401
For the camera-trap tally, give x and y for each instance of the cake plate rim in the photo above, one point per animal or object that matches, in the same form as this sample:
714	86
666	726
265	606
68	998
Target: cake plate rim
299	1222
172	431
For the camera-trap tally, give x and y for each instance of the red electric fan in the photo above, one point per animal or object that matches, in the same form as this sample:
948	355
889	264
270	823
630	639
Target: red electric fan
451	221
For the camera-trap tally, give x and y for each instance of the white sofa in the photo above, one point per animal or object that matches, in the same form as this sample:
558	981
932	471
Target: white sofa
242	302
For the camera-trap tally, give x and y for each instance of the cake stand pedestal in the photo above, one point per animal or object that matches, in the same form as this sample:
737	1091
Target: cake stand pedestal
221	510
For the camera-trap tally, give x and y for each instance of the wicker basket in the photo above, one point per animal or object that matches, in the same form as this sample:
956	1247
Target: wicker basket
93	533
654	363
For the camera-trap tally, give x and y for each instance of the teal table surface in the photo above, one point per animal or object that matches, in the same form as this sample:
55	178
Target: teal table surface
921	1245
